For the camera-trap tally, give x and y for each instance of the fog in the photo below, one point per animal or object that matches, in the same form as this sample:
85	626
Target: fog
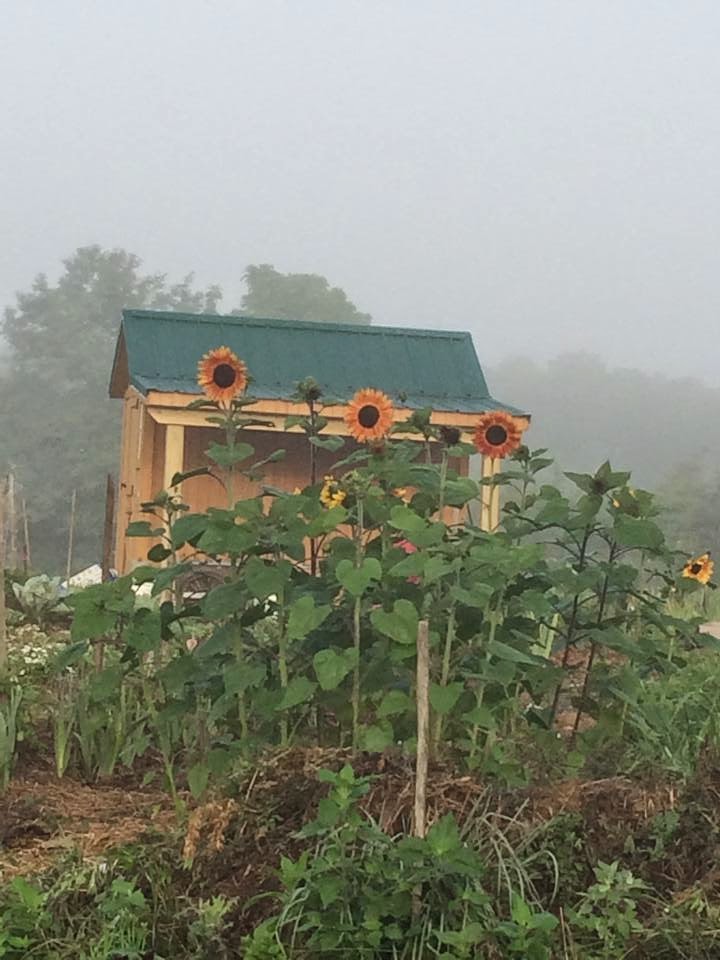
543	173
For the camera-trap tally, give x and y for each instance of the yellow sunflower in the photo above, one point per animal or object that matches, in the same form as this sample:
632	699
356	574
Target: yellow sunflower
369	415
222	375
699	568
332	494
497	434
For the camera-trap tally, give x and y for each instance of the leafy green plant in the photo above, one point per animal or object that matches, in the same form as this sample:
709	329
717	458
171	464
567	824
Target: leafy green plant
605	919
40	597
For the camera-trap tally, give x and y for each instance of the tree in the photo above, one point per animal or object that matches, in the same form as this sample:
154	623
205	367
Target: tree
60	431
296	296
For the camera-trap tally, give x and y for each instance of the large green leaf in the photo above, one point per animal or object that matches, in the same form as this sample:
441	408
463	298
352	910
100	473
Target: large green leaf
400	625
299	690
143	631
188	528
356	580
241	676
504	651
376	737
266	579
224	600
332	667
305	617
405	519
638	533
230	456
393	703
443	699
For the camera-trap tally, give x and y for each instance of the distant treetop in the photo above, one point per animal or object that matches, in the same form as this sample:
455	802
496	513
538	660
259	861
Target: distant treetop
296	296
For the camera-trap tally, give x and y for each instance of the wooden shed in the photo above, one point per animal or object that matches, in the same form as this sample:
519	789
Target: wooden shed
154	374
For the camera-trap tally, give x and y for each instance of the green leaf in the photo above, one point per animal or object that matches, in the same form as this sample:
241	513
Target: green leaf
356	580
504	651
333	444
266	579
638	533
224	600
400	625
376	738
444	837
326	521
143	528
242	676
393	703
405	519
443	699
332	667
70	655
188	528
299	690
230	456
143	631
178	478
477	596
305	617
480	716
158	553
198	777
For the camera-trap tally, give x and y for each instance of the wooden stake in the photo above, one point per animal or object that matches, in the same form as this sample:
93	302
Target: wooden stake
26	533
106	557
3	618
108	528
71	532
12	557
422	687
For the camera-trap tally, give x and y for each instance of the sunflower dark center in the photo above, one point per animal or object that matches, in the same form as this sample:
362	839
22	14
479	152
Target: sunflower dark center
696	568
224	375
368	415
496	435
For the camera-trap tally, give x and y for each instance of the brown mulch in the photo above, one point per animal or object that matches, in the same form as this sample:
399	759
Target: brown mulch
41	817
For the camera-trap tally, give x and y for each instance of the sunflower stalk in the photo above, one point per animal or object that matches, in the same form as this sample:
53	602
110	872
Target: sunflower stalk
357	606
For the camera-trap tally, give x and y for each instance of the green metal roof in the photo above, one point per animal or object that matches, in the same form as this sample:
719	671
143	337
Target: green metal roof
435	368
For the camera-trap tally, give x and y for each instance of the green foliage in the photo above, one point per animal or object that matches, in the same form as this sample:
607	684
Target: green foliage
370	895
605	919
38	598
296	296
65	436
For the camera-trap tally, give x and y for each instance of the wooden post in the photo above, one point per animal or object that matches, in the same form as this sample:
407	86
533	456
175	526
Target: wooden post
106	557
422	688
486	494
3	617
495	502
174	452
11	553
27	565
71	532
108	528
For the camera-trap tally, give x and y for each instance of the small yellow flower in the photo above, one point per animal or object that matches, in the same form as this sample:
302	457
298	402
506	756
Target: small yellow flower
332	495
699	568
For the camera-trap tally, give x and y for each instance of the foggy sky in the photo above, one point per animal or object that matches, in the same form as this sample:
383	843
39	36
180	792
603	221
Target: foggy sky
543	173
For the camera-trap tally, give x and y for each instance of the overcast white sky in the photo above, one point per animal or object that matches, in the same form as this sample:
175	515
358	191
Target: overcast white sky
546	174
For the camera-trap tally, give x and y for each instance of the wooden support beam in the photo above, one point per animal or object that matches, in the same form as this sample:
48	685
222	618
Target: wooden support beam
174	452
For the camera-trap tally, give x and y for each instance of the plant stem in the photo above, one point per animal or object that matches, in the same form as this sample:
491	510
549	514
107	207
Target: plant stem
593	648
572	623
359	556
282	661
445	673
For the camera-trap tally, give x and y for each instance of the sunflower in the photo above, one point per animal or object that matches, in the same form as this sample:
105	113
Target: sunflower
222	375
497	434
369	415
699	568
332	494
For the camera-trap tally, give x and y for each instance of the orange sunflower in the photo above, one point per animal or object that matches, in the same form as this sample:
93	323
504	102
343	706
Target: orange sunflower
369	415
699	568
497	434
222	375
